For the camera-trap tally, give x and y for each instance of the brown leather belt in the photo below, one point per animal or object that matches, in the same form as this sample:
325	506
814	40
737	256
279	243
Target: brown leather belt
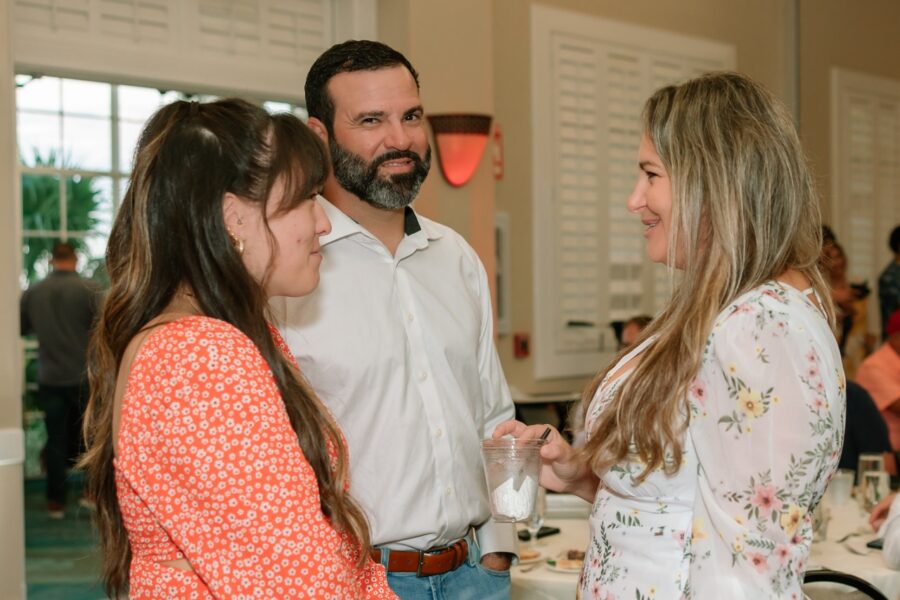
426	562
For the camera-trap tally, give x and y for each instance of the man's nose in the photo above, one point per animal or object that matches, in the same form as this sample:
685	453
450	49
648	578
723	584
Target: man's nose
398	137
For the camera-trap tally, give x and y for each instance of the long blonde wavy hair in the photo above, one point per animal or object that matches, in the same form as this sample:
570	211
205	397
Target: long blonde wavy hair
170	234
744	211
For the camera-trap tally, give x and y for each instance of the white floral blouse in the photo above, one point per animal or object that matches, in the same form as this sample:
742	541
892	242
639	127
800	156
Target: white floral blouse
766	428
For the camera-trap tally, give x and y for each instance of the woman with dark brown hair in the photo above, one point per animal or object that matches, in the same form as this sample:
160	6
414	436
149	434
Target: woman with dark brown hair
216	471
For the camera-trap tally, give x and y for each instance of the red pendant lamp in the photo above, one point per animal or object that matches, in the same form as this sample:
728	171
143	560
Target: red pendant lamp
460	140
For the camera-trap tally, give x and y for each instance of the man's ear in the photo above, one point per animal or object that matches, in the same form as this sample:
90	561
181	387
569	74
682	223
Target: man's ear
319	129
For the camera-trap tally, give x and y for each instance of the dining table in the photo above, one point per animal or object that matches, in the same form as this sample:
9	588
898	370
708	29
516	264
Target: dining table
843	548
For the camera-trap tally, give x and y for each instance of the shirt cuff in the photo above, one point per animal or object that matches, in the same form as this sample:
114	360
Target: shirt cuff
498	537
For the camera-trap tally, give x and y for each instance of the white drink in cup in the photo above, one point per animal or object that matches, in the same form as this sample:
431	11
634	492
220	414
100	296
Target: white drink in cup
511	468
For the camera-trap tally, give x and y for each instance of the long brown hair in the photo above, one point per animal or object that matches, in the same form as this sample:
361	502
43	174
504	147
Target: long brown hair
744	211
170	234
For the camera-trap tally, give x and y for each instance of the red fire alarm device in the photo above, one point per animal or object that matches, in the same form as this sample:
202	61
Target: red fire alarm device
521	347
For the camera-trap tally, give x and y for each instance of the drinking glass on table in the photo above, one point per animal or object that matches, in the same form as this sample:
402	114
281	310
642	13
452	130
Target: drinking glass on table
536	520
868	462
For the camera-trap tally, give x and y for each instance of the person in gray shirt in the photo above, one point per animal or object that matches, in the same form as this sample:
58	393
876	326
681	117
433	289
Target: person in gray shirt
60	310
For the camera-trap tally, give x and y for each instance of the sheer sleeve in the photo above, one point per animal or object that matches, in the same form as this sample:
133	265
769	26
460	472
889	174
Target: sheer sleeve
207	445
767	420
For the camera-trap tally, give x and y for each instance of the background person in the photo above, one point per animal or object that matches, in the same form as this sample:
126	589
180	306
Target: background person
889	283
398	340
217	472
692	434
632	329
879	373
865	431
849	303
60	311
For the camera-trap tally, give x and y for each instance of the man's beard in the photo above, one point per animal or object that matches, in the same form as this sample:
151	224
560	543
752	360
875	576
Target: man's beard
362	179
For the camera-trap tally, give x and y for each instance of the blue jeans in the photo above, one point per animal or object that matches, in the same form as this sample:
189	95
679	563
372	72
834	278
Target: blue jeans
470	581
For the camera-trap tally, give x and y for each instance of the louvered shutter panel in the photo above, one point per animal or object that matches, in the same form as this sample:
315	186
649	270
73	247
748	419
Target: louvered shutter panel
625	89
578	139
858	230
589	84
867	167
140	21
57	15
264	47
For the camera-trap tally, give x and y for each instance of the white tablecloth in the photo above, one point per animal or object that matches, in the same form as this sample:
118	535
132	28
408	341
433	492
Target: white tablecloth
530	582
849	518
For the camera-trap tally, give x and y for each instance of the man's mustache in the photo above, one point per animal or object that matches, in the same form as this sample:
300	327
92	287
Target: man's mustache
394	155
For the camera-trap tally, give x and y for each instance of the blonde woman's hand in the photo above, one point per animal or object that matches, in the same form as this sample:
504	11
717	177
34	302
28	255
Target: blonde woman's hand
561	471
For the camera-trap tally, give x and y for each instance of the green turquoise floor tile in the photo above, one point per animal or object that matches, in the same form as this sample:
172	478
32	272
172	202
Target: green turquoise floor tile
61	556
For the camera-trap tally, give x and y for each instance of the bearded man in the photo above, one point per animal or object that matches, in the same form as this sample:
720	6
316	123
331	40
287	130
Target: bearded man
397	339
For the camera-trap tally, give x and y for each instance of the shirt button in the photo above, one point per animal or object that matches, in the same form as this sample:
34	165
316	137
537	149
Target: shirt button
439	433
449	490
409	317
423	375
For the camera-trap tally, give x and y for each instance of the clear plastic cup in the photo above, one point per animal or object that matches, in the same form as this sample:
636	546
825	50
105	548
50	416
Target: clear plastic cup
511	469
838	490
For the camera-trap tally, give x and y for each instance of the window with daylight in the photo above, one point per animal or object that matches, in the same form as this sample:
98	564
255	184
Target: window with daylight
76	142
589	82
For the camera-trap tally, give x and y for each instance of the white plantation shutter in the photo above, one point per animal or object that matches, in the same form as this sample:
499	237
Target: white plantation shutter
264	47
866	169
138	20
578	139
589	83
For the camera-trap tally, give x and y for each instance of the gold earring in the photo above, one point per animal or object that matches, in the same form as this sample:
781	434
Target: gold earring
238	242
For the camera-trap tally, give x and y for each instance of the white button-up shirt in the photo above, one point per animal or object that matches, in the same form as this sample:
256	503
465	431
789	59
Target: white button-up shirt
401	350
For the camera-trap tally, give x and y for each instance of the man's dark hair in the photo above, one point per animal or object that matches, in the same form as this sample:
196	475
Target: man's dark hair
894	240
63	251
346	57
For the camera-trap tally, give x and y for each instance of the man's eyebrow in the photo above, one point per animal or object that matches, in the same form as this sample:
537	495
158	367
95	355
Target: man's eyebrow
648	163
415	109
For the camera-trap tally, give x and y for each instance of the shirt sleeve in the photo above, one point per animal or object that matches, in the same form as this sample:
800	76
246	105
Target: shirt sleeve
767	425
874	374
493	536
211	453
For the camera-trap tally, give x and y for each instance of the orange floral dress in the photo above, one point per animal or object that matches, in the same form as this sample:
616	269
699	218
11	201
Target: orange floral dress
208	469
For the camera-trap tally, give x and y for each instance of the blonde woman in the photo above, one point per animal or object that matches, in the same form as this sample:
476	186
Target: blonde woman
711	440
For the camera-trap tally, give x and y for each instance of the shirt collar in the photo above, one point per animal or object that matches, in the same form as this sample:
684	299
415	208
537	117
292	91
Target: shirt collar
343	226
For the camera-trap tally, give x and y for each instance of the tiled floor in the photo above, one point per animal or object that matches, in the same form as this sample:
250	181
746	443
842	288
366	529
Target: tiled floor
61	557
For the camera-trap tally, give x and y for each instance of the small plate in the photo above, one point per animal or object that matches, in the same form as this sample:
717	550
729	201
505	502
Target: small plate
533	559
